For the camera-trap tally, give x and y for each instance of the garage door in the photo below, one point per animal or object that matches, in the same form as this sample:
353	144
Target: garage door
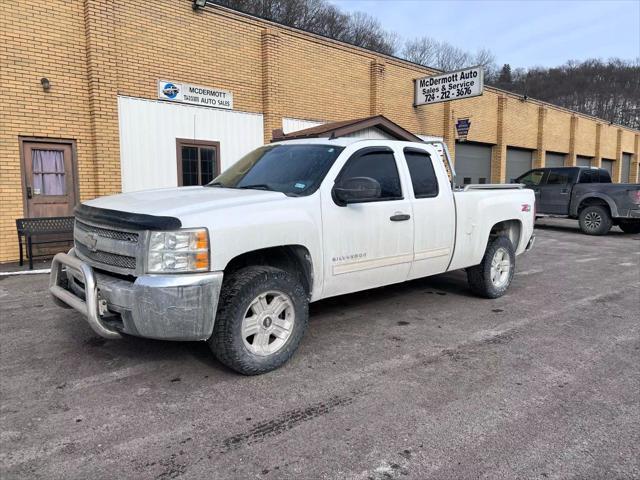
554	159
473	163
518	162
583	161
626	168
608	166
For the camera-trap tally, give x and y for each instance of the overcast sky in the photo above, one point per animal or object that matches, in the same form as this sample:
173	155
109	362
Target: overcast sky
522	33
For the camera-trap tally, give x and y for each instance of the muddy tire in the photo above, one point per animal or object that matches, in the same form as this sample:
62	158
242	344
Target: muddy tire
595	220
262	315
492	277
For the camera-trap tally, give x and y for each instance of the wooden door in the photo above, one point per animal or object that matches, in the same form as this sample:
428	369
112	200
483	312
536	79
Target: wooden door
49	181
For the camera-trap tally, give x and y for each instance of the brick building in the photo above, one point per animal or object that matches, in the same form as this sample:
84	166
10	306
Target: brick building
97	125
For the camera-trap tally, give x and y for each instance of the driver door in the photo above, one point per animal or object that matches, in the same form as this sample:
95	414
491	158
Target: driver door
534	180
367	244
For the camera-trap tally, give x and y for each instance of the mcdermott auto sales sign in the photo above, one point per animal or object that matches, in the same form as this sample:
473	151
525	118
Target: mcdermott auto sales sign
465	83
194	94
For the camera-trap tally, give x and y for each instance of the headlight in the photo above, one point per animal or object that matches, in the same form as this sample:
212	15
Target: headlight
179	251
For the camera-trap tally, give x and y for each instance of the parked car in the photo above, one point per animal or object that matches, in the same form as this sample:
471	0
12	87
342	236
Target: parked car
585	194
236	262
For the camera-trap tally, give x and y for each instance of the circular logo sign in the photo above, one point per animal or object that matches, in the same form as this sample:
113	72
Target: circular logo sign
170	90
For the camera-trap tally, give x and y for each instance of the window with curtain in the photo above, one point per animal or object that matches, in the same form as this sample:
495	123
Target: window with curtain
48	172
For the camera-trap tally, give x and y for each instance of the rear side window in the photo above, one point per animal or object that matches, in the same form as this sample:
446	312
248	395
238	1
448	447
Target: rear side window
587	176
379	165
604	176
558	177
423	176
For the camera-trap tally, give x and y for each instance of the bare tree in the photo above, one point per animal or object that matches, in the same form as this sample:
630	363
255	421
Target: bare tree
606	89
421	51
609	90
444	56
321	17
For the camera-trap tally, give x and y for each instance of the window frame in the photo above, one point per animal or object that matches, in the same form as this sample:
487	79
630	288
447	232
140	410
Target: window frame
185	142
433	169
367	151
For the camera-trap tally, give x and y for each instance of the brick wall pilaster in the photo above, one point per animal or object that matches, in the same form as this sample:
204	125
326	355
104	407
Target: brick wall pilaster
634	168
541	152
617	165
100	33
377	74
597	158
271	82
499	151
571	157
448	131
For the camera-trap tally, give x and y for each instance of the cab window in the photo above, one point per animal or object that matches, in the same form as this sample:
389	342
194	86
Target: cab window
558	177
532	178
423	177
588	176
379	164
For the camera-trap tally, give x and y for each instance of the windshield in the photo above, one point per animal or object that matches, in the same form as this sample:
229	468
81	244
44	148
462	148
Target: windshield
294	170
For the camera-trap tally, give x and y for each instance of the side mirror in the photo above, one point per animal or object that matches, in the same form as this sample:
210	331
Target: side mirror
514	180
356	190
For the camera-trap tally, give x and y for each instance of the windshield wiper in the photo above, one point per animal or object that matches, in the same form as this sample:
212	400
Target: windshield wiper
215	184
257	186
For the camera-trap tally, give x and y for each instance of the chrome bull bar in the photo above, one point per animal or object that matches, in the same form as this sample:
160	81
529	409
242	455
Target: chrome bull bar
89	306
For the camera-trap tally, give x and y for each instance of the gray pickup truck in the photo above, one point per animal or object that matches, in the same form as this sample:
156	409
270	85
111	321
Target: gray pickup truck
585	194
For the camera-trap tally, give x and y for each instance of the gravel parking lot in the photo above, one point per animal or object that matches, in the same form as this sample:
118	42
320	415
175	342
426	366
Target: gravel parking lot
420	380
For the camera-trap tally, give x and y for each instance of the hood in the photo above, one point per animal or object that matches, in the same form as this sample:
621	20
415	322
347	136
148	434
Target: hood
183	201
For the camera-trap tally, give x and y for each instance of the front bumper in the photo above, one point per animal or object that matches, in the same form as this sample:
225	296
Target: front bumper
168	307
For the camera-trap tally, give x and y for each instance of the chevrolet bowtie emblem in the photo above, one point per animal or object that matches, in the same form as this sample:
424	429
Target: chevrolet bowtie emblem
92	242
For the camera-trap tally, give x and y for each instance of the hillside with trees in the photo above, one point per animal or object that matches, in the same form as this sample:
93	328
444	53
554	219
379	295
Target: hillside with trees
607	89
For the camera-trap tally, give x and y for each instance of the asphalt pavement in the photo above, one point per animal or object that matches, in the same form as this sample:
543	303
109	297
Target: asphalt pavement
414	381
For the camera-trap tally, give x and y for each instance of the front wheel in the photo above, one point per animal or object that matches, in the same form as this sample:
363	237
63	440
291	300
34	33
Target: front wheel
630	226
262	316
595	220
492	277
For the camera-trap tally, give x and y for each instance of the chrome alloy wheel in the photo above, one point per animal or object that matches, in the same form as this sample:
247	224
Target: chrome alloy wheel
592	220
500	268
268	323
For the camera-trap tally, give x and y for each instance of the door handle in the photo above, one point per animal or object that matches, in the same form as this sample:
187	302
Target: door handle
29	192
399	217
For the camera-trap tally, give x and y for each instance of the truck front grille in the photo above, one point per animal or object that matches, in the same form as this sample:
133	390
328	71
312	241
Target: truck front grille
108	248
106	258
131	237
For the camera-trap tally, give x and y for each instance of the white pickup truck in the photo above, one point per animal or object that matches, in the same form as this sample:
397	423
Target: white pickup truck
236	262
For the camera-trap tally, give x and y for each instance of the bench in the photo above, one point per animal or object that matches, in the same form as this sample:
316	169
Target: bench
42	230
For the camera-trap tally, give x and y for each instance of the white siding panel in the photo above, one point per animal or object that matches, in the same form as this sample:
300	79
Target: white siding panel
371	134
294	124
148	132
290	125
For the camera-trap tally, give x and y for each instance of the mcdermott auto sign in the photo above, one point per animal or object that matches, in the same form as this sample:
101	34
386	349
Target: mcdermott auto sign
194	94
465	83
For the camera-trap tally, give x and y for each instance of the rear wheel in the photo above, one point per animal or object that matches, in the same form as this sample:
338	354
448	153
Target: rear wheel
595	220
492	277
630	226
262	316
